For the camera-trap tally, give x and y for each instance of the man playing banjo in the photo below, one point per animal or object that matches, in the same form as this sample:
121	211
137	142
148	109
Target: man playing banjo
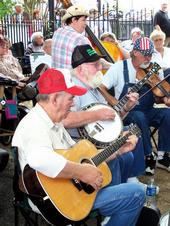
87	73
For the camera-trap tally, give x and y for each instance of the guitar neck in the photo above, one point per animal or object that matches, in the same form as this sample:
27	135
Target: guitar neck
107	152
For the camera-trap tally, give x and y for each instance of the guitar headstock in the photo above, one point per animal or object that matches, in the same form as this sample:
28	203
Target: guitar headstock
135	130
155	67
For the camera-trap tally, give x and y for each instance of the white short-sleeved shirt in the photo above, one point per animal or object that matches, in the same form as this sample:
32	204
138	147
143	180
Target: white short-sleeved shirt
114	77
36	138
166	58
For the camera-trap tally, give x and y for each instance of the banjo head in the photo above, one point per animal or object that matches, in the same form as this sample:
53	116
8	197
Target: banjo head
102	133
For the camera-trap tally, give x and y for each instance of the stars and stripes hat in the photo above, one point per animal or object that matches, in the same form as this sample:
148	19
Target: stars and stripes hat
144	45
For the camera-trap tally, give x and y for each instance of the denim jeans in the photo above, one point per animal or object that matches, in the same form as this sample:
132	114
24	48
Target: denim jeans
122	203
126	162
158	118
121	168
138	167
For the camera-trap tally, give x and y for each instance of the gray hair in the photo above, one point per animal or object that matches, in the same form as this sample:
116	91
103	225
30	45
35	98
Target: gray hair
46	97
47	42
43	97
157	33
108	34
36	34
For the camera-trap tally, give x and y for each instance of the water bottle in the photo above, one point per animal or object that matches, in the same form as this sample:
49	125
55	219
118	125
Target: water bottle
151	194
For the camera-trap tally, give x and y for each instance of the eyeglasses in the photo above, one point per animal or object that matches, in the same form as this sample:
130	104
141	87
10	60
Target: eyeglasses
158	39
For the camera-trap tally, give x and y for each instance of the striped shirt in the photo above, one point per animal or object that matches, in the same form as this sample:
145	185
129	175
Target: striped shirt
65	39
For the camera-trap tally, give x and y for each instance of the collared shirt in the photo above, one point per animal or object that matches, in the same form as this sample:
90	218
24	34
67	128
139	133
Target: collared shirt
31	48
163	60
91	96
36	138
65	39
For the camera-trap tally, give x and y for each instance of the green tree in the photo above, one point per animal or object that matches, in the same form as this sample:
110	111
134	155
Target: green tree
6	7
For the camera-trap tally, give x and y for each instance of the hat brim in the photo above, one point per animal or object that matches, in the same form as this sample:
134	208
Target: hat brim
76	90
145	53
88	60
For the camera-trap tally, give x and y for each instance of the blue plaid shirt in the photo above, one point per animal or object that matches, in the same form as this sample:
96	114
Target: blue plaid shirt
65	39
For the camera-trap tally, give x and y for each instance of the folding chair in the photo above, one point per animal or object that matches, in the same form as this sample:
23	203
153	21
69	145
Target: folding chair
22	207
18	51
4	156
20	201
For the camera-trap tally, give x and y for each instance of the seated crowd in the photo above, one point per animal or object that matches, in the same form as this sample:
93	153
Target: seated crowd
73	94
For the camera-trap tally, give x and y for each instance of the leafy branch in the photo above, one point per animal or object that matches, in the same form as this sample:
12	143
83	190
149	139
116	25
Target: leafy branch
6	7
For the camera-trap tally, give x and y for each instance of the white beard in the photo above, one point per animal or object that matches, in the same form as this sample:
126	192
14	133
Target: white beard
144	65
96	81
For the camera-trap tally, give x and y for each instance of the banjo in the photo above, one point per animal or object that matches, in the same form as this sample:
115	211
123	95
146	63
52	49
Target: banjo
102	133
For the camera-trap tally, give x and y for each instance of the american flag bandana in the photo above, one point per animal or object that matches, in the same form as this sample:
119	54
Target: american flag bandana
144	45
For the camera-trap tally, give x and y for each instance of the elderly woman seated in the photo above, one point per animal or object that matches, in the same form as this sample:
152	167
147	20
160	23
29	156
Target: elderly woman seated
119	52
162	53
9	65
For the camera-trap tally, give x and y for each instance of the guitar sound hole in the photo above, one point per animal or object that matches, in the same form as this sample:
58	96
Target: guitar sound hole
81	185
86	187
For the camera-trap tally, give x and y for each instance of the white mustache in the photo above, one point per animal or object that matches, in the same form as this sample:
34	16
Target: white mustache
144	65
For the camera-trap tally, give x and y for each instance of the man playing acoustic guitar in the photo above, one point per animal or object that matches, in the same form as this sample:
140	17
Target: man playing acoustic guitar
41	132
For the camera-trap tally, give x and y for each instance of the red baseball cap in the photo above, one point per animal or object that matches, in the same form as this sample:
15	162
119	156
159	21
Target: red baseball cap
57	80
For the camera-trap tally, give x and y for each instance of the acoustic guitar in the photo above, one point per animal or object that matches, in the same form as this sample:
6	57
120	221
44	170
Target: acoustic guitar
71	199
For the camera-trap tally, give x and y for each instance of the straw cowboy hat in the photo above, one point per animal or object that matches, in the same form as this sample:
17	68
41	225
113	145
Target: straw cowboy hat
75	10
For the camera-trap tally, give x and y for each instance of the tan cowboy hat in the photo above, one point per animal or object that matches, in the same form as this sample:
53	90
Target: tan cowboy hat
75	10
